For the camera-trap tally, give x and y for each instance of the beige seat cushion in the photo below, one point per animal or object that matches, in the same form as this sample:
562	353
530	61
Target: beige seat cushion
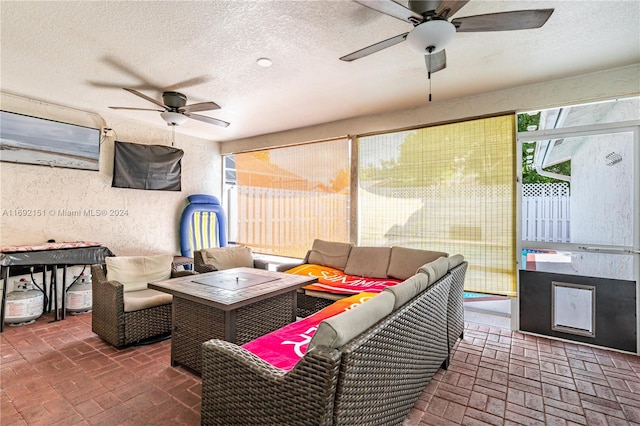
371	262
405	262
436	269
408	289
334	332
135	272
143	299
329	253
222	258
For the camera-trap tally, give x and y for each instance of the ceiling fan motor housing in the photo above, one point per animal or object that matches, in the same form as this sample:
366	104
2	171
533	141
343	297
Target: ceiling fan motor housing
422	6
174	100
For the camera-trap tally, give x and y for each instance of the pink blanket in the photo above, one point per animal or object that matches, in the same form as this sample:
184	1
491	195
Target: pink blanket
284	347
335	281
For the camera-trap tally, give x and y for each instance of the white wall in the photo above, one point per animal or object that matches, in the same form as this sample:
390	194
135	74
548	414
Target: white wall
151	220
602	195
602	204
151	225
601	85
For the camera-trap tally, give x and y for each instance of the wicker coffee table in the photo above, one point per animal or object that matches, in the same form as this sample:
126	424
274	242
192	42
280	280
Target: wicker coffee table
237	305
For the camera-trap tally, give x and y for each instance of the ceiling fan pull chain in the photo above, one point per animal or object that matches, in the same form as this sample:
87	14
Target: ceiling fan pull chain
173	135
430	48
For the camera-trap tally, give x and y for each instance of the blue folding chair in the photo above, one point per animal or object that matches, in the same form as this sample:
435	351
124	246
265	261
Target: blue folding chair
202	225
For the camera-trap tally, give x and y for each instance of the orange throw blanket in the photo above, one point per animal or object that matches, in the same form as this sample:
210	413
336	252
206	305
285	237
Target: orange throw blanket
284	347
335	281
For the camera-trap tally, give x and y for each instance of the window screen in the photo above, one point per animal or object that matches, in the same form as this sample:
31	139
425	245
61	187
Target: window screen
280	200
449	188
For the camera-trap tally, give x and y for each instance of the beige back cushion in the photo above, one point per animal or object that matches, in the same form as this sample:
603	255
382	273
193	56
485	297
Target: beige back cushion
455	260
227	257
371	262
436	269
329	253
405	262
334	332
135	272
408	289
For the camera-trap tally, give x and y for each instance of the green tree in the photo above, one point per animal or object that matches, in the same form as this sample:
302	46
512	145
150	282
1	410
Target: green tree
529	173
525	120
471	149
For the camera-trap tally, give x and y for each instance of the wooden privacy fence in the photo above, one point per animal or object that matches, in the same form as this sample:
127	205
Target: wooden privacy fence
546	212
285	222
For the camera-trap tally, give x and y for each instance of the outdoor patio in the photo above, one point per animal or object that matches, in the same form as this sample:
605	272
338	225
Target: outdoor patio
62	373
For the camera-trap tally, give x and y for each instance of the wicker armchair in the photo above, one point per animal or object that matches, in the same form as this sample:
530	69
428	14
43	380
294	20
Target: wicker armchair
117	327
201	266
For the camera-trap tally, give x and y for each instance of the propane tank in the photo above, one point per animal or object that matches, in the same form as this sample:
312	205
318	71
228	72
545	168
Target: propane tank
24	304
79	295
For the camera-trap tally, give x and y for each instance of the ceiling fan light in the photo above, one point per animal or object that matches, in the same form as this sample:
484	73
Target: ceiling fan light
173	118
436	33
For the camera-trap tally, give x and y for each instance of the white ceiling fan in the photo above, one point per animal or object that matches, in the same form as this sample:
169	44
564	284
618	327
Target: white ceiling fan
433	31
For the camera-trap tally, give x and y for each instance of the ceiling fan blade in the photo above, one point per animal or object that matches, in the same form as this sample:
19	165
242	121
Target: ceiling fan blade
188	83
436	61
143	96
106	85
115	63
452	5
374	48
208	120
138	109
202	106
503	21
393	9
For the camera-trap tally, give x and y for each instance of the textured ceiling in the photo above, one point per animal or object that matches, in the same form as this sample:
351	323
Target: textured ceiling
80	54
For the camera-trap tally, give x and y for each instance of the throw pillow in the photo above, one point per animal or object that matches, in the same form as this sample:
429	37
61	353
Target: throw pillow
371	262
135	272
329	253
227	257
405	262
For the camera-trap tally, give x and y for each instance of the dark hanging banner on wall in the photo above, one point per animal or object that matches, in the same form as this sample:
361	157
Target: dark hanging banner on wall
139	166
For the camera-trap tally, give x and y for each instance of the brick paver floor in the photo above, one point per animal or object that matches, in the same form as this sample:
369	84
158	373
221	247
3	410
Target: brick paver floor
499	377
62	373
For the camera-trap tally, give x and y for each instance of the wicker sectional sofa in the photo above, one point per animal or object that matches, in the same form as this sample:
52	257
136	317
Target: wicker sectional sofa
344	269
366	366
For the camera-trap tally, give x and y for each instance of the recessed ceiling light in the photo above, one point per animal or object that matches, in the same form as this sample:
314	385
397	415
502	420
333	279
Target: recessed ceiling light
264	62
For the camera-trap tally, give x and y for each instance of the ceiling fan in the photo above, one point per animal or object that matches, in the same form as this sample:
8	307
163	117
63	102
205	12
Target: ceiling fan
175	110
433	31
